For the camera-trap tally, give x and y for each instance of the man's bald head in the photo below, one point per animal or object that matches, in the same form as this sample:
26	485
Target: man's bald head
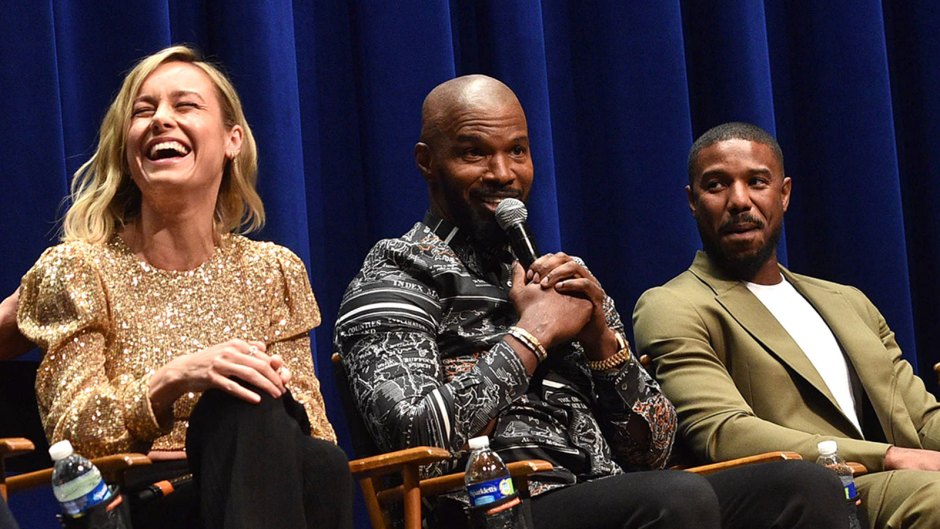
473	153
450	98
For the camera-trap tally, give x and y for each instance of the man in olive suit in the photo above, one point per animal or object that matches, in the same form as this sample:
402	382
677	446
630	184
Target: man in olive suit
757	358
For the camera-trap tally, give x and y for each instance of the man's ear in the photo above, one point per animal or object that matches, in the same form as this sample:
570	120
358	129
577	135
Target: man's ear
690	196
785	192
424	160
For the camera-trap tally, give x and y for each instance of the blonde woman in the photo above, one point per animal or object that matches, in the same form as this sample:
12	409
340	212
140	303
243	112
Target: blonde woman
167	332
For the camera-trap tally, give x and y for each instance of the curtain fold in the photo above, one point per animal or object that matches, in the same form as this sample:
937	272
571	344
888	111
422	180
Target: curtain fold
835	124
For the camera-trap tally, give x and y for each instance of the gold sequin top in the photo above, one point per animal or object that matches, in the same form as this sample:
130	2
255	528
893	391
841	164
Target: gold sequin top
108	320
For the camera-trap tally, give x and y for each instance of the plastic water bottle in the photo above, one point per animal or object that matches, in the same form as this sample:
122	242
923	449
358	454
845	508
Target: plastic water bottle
829	458
76	482
494	503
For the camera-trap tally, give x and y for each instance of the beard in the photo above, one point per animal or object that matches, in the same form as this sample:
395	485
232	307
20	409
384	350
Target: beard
488	233
742	265
479	224
481	229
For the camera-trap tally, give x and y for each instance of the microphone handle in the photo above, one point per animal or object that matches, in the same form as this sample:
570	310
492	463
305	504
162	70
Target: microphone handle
522	243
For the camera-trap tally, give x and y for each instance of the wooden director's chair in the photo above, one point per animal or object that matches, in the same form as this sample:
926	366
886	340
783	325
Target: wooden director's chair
112	467
391	480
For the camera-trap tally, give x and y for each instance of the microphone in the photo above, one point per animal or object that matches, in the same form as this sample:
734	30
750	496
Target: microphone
511	216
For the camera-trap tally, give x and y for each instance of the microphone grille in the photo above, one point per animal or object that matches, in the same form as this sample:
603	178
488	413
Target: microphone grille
510	211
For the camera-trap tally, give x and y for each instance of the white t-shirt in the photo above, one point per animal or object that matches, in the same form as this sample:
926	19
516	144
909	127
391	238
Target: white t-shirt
814	337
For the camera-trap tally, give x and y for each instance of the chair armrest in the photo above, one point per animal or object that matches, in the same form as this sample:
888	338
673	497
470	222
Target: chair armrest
857	468
412	489
390	462
441	484
111	467
405	462
741	461
11	446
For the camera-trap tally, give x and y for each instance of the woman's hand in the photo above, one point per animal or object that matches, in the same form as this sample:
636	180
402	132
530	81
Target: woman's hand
214	367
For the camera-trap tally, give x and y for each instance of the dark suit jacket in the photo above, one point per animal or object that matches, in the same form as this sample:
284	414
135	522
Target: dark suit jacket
742	386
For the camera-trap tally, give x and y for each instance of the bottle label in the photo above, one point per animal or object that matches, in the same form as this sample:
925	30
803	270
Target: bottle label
78	486
849	485
490	491
79	505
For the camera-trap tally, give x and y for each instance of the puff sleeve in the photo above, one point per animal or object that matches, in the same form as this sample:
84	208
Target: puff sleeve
294	313
64	308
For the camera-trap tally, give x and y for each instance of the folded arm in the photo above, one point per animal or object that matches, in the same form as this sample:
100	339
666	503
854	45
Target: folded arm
638	422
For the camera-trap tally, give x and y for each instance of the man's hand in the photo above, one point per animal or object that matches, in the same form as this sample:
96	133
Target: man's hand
552	317
562	273
897	458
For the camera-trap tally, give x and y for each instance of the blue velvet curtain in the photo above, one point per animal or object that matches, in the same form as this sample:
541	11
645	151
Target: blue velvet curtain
615	92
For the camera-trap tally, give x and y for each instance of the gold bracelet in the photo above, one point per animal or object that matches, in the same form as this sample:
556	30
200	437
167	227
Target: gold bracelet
614	360
530	341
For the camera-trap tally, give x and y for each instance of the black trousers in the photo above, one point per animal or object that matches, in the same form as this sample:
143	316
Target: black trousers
6	517
254	466
786	494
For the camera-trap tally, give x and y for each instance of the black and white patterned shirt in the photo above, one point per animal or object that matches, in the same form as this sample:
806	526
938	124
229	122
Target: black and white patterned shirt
421	331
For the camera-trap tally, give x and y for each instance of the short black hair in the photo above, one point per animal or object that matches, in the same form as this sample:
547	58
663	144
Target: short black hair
735	130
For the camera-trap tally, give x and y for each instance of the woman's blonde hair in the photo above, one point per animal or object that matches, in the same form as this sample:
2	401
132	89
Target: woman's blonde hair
104	197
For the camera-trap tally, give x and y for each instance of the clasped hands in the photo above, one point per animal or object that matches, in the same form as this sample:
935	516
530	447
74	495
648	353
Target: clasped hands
558	300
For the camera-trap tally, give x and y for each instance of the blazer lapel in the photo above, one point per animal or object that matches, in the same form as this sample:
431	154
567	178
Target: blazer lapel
754	317
861	346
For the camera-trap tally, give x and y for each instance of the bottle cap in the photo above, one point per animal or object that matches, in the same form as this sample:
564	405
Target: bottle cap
827	448
477	443
61	450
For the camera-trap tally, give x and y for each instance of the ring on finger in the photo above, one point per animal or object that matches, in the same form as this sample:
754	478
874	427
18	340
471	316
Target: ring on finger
253	351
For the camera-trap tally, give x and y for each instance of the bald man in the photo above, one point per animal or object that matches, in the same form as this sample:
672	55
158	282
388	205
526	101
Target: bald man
445	337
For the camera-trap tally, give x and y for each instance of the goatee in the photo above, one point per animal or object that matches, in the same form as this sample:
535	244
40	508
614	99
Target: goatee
741	266
487	233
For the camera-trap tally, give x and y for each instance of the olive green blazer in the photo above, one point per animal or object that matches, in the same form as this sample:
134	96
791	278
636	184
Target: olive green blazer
741	385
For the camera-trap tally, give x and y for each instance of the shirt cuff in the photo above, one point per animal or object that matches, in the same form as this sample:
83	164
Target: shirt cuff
138	413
